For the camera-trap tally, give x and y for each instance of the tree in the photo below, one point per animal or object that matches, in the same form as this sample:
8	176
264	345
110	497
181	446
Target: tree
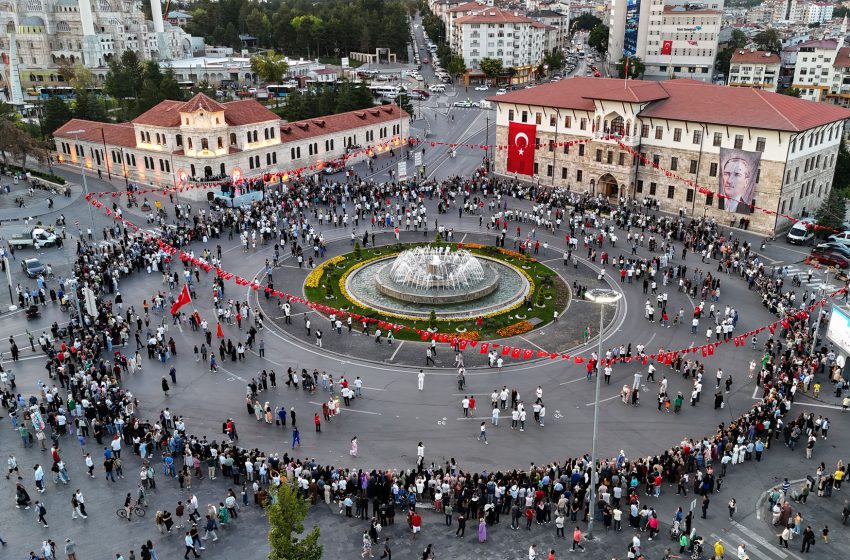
792	91
83	78
554	59
830	215
16	142
585	22
270	67
598	39
491	67
123	80
286	514
56	113
738	40
403	101
89	106
841	179
456	66
768	40
636	67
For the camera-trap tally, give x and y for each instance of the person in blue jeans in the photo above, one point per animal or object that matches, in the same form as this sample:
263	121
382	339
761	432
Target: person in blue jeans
296	437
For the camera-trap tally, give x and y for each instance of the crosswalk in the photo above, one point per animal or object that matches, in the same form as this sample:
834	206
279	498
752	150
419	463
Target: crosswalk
816	283
757	547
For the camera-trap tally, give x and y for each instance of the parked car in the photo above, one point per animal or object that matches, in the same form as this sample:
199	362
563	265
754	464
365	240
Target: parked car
481	88
463	104
501	91
830	258
835	247
800	233
32	267
843	237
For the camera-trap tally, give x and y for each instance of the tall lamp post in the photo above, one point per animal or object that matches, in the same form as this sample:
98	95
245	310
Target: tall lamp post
600	296
76	134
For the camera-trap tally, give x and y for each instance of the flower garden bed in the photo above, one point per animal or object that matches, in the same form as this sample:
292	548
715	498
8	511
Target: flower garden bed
326	285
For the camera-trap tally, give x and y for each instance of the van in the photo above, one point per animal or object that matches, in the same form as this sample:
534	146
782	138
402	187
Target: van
801	233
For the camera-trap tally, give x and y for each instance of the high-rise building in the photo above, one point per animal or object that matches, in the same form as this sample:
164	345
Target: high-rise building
673	38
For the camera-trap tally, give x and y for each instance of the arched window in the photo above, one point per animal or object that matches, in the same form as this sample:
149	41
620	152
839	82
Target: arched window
617	126
232	138
63	27
189	140
205	144
220	142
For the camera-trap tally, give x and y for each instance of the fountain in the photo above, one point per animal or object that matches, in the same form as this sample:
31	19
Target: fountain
454	283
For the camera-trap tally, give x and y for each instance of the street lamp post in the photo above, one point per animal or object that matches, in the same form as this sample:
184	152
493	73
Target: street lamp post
76	134
600	296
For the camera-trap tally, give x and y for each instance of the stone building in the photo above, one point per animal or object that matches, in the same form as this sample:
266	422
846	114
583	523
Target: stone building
703	133
199	140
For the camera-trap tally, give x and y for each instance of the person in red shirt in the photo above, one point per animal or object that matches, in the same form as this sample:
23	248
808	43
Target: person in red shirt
551	555
318	422
472	406
529	517
416	523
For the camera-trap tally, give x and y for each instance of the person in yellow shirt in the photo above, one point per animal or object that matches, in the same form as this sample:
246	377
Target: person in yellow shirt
718	550
816	393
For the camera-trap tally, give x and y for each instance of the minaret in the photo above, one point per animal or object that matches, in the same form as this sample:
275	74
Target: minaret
842	32
159	29
90	46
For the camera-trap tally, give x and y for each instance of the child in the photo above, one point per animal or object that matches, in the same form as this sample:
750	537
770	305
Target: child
816	393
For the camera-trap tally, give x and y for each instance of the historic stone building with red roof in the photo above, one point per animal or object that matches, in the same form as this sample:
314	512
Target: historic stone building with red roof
777	152
177	142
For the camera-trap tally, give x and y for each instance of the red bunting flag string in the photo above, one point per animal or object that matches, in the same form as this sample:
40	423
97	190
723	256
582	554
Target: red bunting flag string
662	356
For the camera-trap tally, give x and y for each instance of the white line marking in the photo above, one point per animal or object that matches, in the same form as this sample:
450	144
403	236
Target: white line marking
573	380
761	540
604	400
400	344
535	345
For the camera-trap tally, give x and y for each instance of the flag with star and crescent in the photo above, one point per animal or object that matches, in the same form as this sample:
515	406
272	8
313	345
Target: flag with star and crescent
521	145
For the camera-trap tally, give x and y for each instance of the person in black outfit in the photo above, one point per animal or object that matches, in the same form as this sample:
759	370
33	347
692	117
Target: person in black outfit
461	526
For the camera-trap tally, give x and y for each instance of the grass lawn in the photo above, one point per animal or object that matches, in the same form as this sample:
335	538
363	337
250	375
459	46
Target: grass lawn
549	294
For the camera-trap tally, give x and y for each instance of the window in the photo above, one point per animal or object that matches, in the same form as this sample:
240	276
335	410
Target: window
712	169
656	160
689	196
621	159
567	148
709	199
643	158
189	140
510	114
582	124
524	116
644	131
232	138
671	191
677	135
550	171
674	164
536	168
581	150
564	172
220	142
538	118
553	121
610	158
693	168
568	122
639	186
659	133
697	136
618	126
652	188
760	142
739	141
179	139
551	145
599	155
718	138
205	145
578	175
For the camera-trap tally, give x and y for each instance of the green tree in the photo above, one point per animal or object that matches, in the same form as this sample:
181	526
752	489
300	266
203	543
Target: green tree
554	59
830	215
841	179
403	101
123	80
585	22
768	40
270	67
636	67
792	91
286	514
56	113
89	106
598	39
258	24
491	67
456	66
738	40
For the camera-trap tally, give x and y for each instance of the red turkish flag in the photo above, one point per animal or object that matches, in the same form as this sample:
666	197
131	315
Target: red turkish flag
521	140
667	47
218	331
182	300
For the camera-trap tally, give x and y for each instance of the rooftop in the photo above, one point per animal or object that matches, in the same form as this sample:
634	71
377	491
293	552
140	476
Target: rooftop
236	113
115	134
494	15
755	57
842	59
308	128
467	6
684	100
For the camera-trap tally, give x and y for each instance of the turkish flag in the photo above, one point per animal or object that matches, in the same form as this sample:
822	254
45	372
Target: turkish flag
218	331
182	300
521	140
667	47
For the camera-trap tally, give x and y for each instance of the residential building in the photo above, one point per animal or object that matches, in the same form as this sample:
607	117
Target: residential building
453	13
48	33
671	37
756	69
177	17
783	148
817	12
559	21
813	74
177	142
518	41
839	93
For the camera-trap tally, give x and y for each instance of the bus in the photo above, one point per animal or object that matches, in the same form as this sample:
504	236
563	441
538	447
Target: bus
280	90
186	85
62	92
389	92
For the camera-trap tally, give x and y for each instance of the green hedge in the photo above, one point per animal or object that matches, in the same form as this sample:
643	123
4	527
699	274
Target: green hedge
36	173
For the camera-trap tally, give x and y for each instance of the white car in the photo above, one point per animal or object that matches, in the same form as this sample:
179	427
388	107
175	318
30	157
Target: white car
481	88
501	91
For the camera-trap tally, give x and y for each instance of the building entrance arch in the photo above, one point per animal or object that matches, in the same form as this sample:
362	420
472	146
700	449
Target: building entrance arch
608	186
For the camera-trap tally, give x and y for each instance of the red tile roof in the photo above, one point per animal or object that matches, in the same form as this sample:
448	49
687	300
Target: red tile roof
755	57
236	113
685	100
828	44
494	15
842	59
467	6
309	128
699	102
201	102
115	134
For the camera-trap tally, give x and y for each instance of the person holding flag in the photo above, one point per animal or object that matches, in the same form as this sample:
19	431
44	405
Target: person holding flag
183	299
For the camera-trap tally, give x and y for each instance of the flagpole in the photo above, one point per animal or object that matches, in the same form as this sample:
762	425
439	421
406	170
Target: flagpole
626	74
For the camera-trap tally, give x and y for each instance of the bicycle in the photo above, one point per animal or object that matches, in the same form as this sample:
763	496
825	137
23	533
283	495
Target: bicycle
134	509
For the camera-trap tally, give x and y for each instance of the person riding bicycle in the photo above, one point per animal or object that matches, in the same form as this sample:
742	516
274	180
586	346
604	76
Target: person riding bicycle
128	505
